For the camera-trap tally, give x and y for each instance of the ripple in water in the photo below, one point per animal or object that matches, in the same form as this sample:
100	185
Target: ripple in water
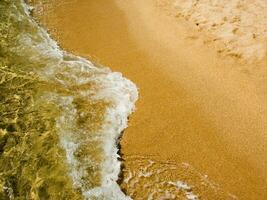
60	116
147	178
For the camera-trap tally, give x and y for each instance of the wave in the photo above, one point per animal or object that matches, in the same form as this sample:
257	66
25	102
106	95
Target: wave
60	116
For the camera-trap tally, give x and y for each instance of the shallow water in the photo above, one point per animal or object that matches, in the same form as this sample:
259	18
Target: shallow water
186	93
60	116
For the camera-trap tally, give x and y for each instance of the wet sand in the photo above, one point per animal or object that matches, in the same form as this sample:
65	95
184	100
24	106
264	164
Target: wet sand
195	106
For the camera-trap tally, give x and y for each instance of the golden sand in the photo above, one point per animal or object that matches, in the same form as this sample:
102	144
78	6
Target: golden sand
201	116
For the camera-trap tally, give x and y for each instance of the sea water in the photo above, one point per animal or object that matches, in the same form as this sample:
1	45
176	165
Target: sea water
60	116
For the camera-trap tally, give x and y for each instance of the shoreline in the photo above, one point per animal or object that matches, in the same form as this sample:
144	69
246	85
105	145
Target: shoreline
191	130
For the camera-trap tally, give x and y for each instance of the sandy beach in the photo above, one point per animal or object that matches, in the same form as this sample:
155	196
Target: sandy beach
201	116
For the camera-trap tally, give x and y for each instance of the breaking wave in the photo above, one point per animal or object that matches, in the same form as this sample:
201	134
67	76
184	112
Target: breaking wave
60	116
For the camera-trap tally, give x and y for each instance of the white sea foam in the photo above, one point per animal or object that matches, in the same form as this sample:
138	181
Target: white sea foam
185	187
111	87
147	178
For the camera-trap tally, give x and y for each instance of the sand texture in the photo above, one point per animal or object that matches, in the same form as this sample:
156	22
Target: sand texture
199	131
238	27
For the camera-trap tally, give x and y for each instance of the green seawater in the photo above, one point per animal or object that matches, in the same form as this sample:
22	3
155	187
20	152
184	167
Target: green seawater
49	121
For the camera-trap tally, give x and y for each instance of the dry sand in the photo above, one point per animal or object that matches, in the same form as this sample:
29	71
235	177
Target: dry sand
238	27
201	117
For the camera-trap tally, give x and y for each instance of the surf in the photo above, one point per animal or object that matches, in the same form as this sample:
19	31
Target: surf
61	116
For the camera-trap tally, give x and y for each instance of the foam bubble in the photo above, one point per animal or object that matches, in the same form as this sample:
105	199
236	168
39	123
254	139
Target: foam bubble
92	105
